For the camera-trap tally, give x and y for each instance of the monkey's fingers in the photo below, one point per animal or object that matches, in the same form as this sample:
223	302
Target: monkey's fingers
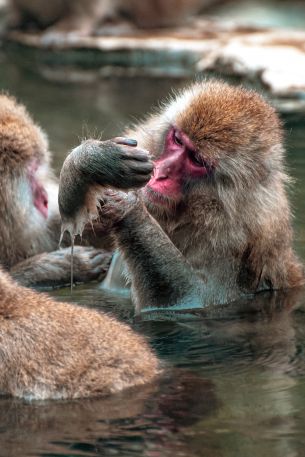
143	168
133	181
136	182
89	263
125	141
136	154
140	181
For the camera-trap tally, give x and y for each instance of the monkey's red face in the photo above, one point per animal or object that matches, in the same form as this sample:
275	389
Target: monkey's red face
179	164
40	196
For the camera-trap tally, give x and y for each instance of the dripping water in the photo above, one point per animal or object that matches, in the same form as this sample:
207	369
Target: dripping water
72	263
67	228
117	277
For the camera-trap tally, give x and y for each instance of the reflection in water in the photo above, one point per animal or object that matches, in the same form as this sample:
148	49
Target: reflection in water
235	378
133	422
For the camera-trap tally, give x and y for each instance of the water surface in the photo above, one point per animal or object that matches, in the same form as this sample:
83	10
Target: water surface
236	384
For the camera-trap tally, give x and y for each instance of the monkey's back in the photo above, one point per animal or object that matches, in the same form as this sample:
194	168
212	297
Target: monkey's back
58	350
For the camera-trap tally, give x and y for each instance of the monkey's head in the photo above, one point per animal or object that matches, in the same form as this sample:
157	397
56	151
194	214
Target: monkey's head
24	157
216	141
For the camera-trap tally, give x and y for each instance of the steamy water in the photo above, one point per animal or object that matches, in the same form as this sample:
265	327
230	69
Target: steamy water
236	385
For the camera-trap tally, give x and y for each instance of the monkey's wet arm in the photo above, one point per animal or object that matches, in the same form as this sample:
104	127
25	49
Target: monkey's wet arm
95	165
53	269
161	276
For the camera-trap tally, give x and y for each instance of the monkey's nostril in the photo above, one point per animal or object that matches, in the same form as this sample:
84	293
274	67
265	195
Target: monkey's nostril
160	174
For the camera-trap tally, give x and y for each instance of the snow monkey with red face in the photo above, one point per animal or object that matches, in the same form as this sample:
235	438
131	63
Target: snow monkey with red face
213	223
30	228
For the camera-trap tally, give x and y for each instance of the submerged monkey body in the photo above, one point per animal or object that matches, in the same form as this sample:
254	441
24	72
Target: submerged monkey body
213	223
53	350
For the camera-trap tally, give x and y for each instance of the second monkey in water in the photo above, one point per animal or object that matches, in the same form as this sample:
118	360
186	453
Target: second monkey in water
213	223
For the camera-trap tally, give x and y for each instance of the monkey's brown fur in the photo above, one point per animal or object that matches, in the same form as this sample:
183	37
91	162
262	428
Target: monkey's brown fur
56	350
24	233
238	224
20	139
26	237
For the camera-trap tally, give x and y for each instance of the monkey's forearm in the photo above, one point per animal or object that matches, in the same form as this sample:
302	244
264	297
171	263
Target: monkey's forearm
74	182
161	276
53	269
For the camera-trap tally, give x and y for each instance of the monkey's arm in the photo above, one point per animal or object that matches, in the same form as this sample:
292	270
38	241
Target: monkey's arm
161	276
53	269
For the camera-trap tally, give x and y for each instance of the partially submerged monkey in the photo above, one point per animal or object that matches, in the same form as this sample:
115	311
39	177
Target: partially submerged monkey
213	223
30	221
52	350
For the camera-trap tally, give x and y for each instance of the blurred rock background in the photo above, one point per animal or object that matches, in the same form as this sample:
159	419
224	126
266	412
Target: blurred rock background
259	42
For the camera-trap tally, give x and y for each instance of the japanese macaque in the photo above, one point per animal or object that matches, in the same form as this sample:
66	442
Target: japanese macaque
30	221
53	350
213	223
84	16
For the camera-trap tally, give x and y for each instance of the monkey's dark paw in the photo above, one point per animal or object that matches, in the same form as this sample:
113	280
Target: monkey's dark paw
114	206
136	165
90	264
53	269
114	163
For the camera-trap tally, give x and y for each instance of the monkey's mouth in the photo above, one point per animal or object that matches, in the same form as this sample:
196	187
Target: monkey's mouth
156	198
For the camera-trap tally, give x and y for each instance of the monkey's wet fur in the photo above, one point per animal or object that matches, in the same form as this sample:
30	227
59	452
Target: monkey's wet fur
213	223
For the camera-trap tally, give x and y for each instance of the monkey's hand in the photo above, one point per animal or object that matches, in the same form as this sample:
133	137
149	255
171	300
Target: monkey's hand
53	269
114	163
94	166
134	165
115	205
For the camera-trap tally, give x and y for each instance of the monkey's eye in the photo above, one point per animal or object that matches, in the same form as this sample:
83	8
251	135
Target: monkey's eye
177	138
196	159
